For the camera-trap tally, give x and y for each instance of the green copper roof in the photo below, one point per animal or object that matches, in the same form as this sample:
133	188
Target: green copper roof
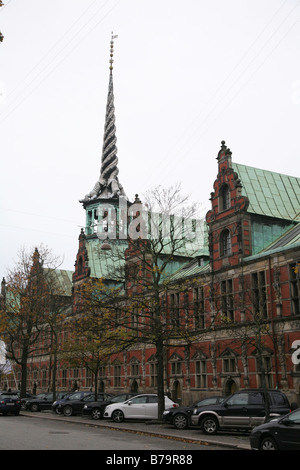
62	279
289	240
270	194
189	270
106	264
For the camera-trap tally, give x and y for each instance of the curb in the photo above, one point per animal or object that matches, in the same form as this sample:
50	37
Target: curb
134	430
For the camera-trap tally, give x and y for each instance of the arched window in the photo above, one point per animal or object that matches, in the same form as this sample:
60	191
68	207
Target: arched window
225	243
224	197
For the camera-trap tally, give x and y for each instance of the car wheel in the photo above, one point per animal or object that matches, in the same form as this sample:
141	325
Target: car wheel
118	416
67	410
209	425
268	443
96	413
180	421
34	407
23	406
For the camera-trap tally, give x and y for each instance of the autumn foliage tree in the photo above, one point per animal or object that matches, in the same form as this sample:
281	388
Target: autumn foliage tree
31	311
137	311
94	333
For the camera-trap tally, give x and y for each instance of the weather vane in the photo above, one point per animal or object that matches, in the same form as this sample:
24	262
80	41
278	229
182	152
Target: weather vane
112	50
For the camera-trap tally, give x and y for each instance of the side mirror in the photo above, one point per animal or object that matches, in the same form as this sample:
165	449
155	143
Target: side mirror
286	422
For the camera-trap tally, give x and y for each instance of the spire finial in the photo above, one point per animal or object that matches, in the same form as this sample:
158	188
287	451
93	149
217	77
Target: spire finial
108	185
112	51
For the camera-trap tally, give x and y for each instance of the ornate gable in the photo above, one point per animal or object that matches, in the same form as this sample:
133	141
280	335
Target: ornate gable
228	220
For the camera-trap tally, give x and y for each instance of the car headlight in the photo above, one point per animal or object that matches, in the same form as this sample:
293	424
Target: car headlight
195	412
85	406
54	403
166	412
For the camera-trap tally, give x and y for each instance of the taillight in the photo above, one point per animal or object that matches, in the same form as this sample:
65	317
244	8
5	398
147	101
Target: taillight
175	405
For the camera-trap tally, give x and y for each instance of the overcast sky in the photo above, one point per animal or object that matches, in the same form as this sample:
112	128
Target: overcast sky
187	74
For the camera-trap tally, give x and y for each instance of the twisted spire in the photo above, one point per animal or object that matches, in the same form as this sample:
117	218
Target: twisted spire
108	185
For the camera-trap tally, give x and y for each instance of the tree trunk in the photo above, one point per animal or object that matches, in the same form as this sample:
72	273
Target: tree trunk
160	377
96	384
54	373
24	372
264	385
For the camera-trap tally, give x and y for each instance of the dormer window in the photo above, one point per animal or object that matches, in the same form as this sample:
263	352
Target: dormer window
224	197
225	243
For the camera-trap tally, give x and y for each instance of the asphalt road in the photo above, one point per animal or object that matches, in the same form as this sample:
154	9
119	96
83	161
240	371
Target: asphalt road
24	433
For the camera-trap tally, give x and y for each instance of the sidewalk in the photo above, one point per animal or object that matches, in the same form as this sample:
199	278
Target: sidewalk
152	428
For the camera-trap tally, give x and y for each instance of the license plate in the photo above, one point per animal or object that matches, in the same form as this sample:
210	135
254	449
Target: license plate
10	404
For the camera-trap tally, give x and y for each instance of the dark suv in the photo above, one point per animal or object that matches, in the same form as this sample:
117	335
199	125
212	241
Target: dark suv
9	403
181	417
242	410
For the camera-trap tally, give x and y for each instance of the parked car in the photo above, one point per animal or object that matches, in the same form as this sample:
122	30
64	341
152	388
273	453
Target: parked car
43	401
74	404
181	417
242	410
55	405
278	434
9	403
95	409
23	400
143	406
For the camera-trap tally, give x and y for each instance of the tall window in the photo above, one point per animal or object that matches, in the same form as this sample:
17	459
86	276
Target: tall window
267	365
229	364
117	376
44	378
175	310
295	287
88	377
225	243
199	307
259	294
64	378
134	369
176	368
153	374
135	321
227	299
201	374
224	197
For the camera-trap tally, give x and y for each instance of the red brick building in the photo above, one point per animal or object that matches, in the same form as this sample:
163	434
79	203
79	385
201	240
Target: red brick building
243	284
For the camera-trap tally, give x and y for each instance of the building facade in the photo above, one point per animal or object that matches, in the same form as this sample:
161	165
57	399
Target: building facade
241	290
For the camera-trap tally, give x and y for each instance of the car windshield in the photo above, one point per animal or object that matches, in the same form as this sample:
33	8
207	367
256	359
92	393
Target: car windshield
238	399
75	396
9	395
295	417
119	399
142	399
92	398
